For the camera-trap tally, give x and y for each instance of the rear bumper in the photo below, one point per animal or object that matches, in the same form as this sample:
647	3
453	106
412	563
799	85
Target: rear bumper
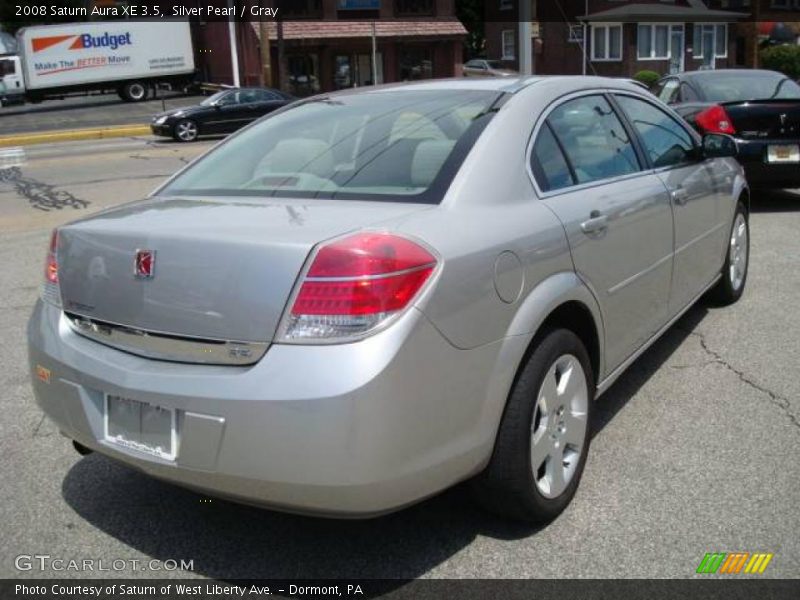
753	157
351	430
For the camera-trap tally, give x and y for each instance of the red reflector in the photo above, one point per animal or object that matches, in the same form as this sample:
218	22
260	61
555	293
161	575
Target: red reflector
51	264
715	120
364	274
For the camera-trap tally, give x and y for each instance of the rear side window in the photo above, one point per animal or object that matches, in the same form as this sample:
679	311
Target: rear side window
666	142
548	163
594	139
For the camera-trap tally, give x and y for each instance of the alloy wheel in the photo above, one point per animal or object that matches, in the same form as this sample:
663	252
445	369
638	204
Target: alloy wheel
738	252
186	131
559	426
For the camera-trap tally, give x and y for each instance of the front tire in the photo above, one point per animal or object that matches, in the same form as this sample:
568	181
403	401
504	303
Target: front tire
544	436
734	271
185	130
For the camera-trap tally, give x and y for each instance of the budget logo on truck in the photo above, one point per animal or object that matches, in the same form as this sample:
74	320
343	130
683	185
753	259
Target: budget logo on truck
82	41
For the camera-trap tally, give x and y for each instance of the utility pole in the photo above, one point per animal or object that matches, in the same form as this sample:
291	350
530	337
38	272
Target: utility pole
524	34
234	49
283	74
585	36
374	56
266	55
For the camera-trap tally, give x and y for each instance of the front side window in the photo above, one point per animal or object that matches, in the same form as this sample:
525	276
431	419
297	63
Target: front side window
606	42
666	142
594	139
401	146
668	91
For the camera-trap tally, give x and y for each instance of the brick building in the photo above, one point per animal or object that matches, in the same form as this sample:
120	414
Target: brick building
328	44
622	37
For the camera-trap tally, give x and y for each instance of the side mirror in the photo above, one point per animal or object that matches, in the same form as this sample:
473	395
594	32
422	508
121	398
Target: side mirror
719	145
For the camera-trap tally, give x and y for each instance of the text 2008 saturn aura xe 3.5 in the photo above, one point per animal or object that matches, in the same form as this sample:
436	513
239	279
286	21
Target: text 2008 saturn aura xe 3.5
370	296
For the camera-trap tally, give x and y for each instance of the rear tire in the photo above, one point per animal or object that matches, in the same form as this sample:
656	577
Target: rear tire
135	91
544	436
731	285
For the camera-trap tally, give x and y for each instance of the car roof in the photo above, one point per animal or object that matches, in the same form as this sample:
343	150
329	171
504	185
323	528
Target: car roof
720	72
509	85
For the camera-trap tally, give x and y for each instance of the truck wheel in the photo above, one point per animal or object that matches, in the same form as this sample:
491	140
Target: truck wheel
135	91
185	130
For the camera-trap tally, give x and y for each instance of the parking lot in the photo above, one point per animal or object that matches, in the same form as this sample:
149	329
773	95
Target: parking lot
695	447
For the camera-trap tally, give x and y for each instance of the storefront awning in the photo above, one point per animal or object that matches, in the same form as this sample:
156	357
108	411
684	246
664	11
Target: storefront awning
317	30
634	13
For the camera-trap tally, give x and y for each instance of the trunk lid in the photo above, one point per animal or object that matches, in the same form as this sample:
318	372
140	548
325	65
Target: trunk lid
222	269
767	119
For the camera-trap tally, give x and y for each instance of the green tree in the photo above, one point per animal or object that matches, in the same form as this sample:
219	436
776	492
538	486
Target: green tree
649	78
785	59
470	13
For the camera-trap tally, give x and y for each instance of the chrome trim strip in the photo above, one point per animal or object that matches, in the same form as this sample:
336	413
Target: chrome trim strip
162	346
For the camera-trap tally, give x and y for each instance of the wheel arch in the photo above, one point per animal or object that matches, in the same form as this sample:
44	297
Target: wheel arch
562	300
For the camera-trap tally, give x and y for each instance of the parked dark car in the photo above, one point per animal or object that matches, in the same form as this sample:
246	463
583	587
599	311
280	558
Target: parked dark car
760	109
224	112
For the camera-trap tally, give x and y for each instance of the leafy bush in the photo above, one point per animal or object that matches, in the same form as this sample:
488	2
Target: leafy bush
649	78
785	59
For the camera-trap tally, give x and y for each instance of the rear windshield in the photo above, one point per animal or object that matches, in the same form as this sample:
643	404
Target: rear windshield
397	145
737	87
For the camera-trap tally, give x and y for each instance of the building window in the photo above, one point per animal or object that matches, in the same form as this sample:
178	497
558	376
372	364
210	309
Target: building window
416	62
607	42
300	9
652	42
575	34
414	8
710	40
785	4
509	46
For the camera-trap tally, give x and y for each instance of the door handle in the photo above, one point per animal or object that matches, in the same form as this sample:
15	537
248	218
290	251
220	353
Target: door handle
597	222
679	196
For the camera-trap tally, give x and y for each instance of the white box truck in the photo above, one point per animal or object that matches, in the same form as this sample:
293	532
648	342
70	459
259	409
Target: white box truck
129	57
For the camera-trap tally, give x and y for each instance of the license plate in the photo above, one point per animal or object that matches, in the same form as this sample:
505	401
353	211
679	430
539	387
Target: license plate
141	427
789	153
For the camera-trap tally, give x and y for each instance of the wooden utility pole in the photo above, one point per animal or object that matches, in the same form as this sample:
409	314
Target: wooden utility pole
283	74
266	54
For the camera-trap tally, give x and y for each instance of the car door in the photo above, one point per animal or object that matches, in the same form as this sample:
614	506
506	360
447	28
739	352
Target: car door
264	102
672	151
616	215
234	112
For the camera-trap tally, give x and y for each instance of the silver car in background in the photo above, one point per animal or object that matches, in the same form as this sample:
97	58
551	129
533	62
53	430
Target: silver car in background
370	296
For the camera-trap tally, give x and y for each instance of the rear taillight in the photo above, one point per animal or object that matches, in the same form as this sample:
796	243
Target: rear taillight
50	291
356	285
715	119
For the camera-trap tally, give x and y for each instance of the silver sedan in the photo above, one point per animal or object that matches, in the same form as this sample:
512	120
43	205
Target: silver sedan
367	297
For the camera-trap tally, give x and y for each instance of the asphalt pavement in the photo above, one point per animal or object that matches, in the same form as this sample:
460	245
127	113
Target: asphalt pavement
695	448
81	112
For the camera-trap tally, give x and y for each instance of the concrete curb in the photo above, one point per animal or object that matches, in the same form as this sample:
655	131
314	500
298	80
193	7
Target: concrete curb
98	133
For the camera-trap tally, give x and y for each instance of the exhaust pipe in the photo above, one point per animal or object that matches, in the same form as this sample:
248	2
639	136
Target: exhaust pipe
81	449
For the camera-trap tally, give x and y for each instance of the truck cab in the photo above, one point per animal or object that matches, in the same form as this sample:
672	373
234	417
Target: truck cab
12	85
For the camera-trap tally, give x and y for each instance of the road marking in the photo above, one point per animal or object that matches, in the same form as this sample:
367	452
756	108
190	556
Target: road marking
12	157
